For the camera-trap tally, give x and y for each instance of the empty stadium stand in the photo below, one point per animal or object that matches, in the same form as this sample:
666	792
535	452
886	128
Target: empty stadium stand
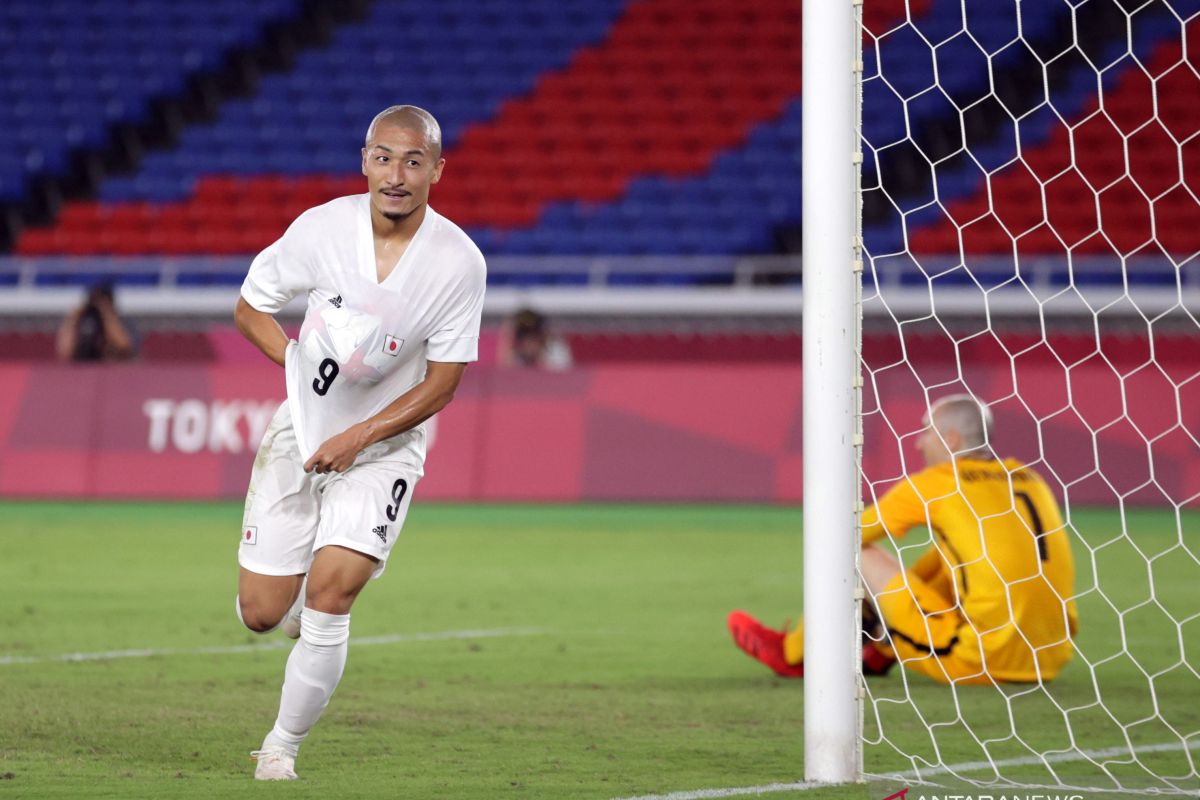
536	131
612	127
1012	99
1120	181
72	71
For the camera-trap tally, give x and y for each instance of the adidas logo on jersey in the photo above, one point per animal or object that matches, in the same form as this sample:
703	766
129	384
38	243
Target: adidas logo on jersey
380	531
337	301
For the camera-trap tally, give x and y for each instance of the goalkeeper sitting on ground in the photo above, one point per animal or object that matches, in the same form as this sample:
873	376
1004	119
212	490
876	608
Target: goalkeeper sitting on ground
990	601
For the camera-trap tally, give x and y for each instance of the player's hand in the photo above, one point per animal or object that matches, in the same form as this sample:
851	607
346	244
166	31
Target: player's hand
337	454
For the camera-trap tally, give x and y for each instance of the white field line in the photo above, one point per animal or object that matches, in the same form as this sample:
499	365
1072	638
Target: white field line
1053	758
704	794
273	644
969	766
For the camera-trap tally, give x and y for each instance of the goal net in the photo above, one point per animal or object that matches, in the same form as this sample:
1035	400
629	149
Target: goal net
1030	211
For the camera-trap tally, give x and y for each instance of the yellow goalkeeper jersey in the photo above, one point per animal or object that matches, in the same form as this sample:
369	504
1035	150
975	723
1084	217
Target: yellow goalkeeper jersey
1000	535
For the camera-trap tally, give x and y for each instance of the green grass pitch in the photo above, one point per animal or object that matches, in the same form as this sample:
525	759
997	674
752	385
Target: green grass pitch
612	677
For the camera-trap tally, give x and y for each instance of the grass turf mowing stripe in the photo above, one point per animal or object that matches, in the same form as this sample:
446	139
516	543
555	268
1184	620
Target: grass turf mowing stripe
277	644
968	766
635	689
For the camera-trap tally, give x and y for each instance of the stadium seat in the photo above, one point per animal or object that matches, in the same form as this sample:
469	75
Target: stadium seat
98	64
633	128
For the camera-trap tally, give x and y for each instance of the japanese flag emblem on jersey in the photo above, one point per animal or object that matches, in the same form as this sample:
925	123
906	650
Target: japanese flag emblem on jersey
250	534
392	345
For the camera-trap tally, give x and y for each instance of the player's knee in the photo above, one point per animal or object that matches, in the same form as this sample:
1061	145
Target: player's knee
336	580
330	598
257	618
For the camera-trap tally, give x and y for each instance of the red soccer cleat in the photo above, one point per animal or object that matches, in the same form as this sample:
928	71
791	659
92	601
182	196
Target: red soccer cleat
874	662
762	644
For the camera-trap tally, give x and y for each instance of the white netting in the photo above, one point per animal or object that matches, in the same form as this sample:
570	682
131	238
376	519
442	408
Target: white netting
1031	224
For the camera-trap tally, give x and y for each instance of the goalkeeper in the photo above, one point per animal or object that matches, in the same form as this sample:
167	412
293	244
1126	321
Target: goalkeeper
989	601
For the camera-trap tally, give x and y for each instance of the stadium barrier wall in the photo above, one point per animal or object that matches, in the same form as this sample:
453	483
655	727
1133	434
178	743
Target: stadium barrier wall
714	432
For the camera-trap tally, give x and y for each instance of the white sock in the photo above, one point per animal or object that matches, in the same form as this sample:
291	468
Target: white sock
313	671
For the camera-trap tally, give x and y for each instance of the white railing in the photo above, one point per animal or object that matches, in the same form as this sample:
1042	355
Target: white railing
635	285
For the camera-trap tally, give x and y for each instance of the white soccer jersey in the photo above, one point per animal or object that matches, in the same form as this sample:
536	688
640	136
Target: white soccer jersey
364	343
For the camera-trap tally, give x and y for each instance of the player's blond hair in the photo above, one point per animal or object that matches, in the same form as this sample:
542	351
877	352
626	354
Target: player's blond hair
963	413
412	117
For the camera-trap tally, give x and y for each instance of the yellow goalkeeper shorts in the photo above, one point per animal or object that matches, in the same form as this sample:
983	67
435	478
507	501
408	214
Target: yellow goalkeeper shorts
923	626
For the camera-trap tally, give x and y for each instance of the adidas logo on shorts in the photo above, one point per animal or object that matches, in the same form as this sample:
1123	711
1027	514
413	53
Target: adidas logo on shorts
380	531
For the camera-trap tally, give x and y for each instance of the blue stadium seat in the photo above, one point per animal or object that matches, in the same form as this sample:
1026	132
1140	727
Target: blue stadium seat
107	60
462	62
101	61
885	121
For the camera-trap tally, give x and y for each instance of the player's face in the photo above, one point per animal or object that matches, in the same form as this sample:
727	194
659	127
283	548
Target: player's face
400	167
530	348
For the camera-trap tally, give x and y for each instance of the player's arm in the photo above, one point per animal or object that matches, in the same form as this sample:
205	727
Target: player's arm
68	335
120	342
929	565
899	510
261	329
405	412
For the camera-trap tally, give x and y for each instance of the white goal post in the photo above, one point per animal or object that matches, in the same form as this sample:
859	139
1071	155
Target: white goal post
1073	144
832	390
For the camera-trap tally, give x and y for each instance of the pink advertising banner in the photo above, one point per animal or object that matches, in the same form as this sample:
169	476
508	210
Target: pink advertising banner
713	432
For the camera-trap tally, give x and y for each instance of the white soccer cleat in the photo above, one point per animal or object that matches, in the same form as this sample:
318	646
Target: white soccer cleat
274	764
291	622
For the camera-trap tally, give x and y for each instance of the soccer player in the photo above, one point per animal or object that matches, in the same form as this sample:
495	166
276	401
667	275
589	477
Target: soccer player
990	601
394	293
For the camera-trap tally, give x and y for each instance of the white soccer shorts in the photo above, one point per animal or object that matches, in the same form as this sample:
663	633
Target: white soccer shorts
291	514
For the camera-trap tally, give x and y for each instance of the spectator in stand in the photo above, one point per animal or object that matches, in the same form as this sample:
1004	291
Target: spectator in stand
94	331
526	341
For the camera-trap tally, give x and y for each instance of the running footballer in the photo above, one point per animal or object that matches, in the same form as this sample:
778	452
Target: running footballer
394	294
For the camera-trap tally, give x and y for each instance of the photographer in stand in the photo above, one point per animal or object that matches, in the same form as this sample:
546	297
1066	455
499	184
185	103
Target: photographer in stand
94	331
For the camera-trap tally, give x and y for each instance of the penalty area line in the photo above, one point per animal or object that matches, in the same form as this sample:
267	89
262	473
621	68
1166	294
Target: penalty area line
276	644
949	769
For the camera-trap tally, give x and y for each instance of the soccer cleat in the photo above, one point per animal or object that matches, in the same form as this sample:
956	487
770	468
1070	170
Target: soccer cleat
274	764
762	644
291	622
875	661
